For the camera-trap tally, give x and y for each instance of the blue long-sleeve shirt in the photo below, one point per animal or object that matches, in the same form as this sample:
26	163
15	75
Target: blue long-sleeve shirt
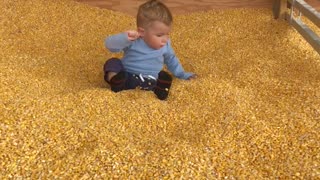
139	58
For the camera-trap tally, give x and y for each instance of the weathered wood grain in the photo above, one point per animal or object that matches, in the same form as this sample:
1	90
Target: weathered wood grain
185	6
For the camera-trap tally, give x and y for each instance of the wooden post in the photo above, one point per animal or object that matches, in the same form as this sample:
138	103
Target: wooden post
279	9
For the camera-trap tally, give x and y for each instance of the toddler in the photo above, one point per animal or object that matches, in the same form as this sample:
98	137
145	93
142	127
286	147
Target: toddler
146	50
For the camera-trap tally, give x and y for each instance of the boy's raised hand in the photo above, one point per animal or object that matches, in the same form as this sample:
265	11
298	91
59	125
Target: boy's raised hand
132	35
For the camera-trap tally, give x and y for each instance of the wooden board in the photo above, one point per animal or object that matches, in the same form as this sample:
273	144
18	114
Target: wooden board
185	6
178	6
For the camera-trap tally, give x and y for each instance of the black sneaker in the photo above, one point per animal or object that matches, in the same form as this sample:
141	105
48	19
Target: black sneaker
164	82
118	81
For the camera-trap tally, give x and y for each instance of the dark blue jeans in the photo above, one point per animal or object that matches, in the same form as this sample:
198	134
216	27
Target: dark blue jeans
133	81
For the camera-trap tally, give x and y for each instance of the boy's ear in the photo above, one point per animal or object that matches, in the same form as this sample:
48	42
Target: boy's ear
141	31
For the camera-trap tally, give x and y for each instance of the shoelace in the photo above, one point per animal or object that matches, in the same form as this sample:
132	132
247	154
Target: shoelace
148	76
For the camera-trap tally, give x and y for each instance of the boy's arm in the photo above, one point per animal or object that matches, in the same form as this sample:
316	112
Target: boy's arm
118	42
174	65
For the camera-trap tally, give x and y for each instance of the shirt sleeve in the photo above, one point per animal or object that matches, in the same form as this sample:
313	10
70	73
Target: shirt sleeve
173	64
118	42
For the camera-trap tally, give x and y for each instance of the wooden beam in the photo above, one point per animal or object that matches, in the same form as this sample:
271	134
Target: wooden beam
307	10
311	37
314	3
280	9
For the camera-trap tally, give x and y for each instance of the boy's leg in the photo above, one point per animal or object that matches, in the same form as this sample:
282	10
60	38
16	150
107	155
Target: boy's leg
163	85
114	74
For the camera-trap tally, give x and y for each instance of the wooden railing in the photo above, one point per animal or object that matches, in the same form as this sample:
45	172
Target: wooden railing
285	9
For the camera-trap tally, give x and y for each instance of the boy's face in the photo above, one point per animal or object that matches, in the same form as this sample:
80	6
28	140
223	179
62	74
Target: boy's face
156	35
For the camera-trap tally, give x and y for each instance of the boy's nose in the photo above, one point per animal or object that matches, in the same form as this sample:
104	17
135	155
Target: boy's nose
164	40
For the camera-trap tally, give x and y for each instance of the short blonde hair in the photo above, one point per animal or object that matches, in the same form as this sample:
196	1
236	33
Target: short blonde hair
153	10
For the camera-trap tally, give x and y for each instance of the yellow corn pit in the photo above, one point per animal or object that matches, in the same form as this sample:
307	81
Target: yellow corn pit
253	112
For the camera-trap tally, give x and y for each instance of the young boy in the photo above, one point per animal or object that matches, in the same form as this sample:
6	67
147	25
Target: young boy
145	52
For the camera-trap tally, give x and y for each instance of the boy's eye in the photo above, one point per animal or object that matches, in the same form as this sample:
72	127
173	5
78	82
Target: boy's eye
160	35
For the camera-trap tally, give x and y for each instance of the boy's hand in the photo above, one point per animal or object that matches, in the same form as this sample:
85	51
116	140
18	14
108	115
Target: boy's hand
193	76
132	35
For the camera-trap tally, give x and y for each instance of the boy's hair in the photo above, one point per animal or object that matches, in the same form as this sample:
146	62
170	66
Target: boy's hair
153	10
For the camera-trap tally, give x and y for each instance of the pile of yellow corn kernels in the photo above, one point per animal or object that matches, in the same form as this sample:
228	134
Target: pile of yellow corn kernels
252	113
